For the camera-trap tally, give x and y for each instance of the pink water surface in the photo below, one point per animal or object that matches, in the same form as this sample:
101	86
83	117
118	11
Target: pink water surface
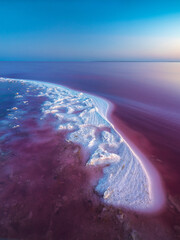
147	110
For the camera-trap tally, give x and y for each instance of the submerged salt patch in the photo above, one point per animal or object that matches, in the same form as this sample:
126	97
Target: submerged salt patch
125	181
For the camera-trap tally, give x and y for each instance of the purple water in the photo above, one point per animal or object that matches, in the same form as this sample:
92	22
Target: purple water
146	110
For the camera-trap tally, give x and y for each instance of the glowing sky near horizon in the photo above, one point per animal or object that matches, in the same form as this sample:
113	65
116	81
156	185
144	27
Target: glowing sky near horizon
89	30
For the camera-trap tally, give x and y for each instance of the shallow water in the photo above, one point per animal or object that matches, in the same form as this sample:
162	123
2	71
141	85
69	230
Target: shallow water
146	99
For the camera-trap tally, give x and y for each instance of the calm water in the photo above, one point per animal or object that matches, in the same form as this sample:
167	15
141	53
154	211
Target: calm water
146	97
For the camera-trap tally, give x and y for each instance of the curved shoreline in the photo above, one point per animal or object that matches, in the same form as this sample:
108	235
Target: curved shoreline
154	179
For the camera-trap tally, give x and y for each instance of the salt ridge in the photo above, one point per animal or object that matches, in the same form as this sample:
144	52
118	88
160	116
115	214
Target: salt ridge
129	180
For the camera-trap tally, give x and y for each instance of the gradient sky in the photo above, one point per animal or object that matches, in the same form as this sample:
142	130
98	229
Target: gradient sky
89	30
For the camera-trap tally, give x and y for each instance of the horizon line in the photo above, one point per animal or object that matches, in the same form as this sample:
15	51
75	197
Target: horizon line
90	61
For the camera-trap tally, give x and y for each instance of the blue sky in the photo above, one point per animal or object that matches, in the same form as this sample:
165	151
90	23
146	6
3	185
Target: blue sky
89	30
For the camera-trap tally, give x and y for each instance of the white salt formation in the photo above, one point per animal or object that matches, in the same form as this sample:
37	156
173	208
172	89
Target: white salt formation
125	182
